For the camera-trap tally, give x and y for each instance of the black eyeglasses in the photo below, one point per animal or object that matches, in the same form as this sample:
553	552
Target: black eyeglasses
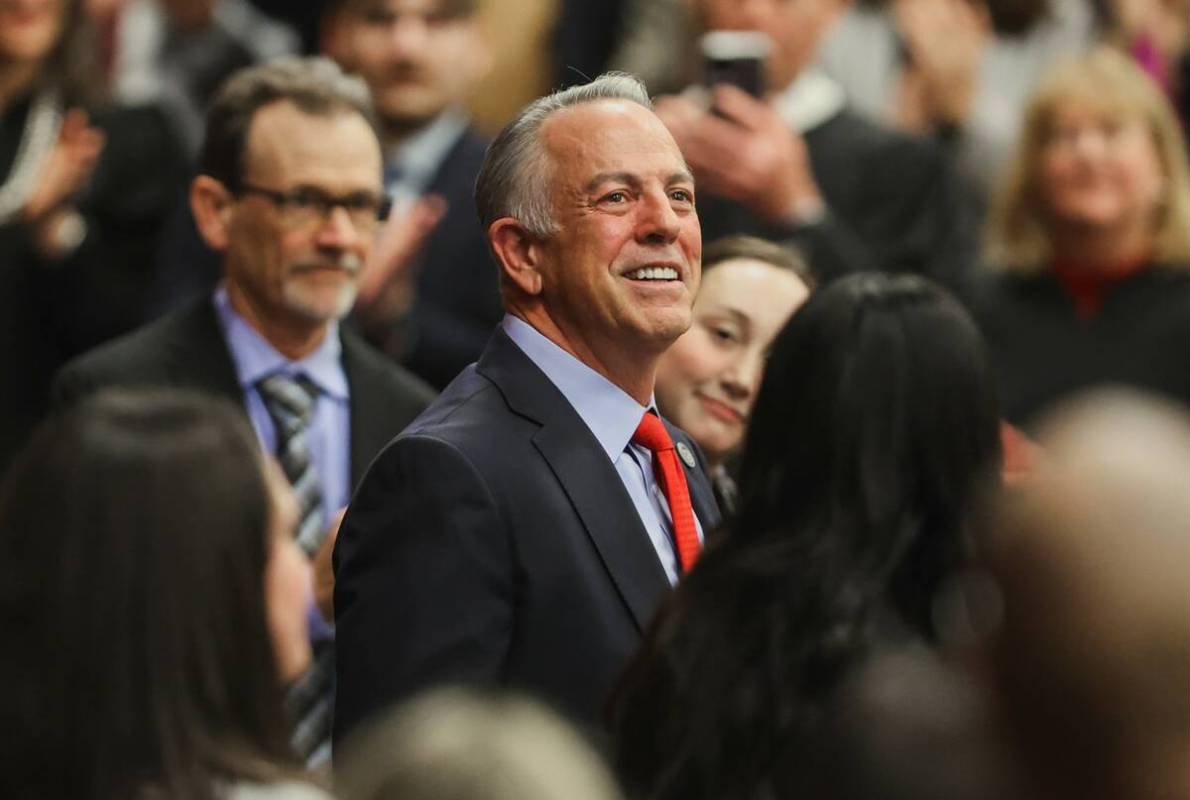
306	207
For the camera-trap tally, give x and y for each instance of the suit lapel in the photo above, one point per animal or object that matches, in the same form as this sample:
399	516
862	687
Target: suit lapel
583	471
200	356
368	413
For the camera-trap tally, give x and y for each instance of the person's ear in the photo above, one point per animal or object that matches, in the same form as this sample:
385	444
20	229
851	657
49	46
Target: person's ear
211	203
519	254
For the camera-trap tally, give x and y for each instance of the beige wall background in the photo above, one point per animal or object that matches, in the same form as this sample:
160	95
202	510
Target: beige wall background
519	31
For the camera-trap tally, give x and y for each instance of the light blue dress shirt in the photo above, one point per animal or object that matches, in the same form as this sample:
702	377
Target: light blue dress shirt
330	427
612	416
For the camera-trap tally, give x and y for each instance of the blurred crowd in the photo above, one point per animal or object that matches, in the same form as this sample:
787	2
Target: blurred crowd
320	324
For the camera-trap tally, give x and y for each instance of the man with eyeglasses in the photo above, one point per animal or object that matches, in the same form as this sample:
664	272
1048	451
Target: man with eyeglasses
289	193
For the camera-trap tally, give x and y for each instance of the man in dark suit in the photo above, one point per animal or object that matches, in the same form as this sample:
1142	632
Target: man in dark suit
422	59
289	192
519	533
797	166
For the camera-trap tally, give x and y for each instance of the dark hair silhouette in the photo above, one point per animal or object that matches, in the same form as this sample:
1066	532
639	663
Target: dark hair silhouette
875	421
134	536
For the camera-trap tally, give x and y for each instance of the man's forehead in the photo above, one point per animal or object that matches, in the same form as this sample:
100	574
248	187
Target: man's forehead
605	136
284	137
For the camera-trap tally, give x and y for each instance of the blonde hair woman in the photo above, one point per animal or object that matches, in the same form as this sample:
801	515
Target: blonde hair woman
1091	235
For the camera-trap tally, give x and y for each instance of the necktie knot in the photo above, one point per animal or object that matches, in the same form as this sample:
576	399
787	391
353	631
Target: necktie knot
290	403
289	397
651	434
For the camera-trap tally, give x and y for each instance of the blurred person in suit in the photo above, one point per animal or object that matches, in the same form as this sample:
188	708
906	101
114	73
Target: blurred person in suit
1090	235
155	602
524	529
421	59
707	381
85	187
289	192
875	424
797	165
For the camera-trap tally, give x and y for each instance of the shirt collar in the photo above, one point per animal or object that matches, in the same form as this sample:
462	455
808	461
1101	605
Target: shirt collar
810	100
256	359
417	157
610	413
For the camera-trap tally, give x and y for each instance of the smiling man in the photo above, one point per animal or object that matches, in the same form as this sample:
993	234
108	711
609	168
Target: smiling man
522	532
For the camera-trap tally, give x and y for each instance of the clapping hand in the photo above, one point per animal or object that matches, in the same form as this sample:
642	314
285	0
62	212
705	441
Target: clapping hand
387	286
744	151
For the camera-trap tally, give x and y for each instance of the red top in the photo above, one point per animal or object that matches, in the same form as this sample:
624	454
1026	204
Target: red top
1088	288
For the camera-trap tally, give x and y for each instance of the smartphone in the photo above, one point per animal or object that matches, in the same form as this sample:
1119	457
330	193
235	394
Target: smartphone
736	57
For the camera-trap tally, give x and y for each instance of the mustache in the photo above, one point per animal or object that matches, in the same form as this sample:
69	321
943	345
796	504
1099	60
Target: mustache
403	71
350	263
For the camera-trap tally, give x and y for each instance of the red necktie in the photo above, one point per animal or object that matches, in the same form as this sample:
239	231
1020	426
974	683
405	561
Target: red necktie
651	434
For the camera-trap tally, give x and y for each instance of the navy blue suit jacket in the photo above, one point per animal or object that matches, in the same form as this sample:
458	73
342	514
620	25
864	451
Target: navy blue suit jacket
493	543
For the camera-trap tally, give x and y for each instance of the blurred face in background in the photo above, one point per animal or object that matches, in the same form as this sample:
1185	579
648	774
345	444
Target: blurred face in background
795	26
292	268
1099	170
419	57
707	381
29	29
286	581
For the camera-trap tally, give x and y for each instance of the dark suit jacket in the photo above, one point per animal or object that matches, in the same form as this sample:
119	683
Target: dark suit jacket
894	204
493	543
186	350
458	291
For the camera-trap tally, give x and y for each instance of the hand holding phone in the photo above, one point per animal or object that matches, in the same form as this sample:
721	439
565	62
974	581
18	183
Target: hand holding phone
736	58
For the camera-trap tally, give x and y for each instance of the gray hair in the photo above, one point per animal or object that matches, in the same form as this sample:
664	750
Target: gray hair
515	178
315	85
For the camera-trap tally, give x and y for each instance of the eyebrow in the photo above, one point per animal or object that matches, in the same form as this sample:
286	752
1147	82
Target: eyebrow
736	314
632	180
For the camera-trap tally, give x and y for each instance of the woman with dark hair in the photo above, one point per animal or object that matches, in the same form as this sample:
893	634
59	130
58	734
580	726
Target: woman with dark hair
707	379
876	420
154	602
84	189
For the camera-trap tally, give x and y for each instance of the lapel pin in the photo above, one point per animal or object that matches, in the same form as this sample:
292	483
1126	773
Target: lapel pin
686	454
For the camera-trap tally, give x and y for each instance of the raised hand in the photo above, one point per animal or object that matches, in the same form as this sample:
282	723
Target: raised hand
946	40
67	168
387	286
743	151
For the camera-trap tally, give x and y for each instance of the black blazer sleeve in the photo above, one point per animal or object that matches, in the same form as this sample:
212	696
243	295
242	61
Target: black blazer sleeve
423	591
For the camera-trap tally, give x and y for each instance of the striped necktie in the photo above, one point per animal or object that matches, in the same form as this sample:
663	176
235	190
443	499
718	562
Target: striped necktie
290	402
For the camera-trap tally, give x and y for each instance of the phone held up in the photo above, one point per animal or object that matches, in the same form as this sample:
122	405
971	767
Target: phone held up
737	58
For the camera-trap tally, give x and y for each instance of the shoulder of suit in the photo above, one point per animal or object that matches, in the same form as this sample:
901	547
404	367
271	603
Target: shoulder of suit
145	345
364	362
858	139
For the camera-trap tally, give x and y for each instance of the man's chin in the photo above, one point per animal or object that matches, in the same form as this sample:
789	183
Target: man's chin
408	108
321	307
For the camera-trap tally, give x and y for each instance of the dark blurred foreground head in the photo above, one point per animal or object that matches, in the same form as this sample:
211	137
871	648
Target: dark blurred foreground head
141	551
875	423
1092	661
